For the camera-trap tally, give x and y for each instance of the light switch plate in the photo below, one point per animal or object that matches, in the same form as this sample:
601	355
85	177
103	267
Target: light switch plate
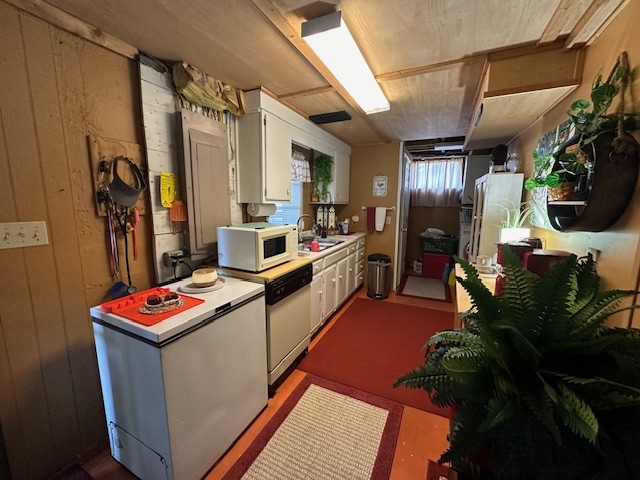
23	234
388	219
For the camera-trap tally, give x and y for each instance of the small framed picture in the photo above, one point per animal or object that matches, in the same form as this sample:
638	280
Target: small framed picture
380	186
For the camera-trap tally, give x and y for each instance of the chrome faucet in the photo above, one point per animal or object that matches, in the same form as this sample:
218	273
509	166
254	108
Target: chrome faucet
298	225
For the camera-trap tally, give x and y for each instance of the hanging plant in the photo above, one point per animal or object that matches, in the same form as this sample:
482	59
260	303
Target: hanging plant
322	175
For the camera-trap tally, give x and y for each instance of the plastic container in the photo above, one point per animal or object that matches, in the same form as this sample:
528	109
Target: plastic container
378	278
433	264
443	244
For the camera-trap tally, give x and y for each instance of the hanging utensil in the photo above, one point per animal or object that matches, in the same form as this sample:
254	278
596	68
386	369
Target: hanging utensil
135	220
177	214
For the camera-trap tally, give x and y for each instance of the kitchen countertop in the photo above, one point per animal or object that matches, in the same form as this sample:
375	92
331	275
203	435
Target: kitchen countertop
303	259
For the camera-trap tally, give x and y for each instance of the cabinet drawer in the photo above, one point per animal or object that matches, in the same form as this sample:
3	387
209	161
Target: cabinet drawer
318	266
360	268
359	279
360	255
360	244
334	257
352	248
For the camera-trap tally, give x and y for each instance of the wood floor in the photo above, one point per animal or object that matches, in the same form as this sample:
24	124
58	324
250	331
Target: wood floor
422	434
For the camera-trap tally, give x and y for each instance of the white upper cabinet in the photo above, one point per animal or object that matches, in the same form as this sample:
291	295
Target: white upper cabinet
264	158
341	165
265	136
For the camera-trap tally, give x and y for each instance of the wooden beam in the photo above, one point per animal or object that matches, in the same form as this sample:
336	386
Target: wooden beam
583	22
311	91
492	55
410	72
71	24
558	21
279	20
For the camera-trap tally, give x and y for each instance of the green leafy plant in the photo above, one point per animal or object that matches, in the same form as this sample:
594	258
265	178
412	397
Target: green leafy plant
322	175
541	386
591	120
517	216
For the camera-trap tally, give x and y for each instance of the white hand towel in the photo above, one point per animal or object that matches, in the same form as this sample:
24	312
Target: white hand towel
381	216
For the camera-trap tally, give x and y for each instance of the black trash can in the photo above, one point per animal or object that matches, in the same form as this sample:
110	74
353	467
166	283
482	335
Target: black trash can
379	276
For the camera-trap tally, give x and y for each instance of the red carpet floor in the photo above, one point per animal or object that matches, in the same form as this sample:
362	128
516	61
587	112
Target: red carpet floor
375	342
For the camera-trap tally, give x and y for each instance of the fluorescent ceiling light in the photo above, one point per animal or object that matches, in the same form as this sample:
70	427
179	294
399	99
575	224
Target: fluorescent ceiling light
331	40
444	146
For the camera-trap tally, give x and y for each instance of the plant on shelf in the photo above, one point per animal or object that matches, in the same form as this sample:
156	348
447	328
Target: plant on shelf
322	176
540	386
513	226
590	120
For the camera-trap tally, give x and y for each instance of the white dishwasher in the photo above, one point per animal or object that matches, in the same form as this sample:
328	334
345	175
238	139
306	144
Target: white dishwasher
179	393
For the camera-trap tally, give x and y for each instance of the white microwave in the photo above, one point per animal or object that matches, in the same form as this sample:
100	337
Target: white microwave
256	246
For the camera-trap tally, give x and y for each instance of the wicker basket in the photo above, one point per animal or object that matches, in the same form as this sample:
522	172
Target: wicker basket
561	193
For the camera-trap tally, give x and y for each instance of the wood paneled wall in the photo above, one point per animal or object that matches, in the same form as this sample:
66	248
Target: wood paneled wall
55	90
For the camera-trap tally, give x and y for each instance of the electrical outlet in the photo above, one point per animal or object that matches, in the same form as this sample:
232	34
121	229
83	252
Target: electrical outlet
595	253
355	219
169	259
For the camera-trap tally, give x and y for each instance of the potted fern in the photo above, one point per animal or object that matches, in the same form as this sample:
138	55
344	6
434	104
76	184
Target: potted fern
322	176
542	387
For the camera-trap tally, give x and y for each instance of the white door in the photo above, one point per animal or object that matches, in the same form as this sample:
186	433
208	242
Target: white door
277	159
403	217
315	319
329	292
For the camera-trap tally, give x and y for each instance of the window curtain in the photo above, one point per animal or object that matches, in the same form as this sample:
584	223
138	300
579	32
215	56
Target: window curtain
300	169
436	182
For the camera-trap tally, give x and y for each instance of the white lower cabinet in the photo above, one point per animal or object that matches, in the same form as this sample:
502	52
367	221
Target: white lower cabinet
342	286
335	277
329	292
315	320
351	274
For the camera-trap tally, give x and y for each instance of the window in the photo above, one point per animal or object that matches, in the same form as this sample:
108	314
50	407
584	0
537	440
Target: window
436	182
288	213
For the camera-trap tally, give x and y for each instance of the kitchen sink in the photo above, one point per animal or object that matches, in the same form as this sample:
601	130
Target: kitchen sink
323	244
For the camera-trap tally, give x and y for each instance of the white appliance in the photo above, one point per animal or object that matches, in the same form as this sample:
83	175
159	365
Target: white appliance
475	167
179	393
288	300
256	246
495	194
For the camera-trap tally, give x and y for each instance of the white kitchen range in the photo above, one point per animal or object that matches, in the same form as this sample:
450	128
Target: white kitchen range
177	394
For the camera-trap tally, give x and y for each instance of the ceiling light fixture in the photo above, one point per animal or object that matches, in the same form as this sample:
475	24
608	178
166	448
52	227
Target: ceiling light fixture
445	146
331	40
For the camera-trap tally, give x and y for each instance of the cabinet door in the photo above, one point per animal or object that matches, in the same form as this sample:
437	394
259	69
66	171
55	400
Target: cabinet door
329	288
341	166
315	319
205	171
341	292
351	274
277	159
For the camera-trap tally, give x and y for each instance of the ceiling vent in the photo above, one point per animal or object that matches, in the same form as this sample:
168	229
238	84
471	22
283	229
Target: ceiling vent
330	117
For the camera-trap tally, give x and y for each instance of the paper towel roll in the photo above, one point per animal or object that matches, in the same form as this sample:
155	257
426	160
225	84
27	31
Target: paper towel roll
261	209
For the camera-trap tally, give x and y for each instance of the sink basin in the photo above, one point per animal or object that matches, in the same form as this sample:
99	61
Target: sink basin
323	244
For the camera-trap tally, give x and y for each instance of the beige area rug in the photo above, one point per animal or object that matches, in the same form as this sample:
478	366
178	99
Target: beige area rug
424	287
324	434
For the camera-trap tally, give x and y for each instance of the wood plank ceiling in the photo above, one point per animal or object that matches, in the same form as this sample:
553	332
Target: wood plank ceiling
429	56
